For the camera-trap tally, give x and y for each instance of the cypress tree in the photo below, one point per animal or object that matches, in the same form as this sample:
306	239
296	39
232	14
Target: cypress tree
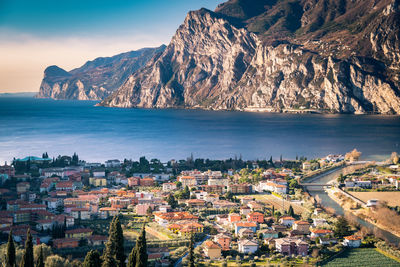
141	249
119	243
27	258
291	211
40	260
132	258
92	259
109	259
191	251
10	256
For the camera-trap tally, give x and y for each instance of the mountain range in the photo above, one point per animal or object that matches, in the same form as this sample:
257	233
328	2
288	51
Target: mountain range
340	56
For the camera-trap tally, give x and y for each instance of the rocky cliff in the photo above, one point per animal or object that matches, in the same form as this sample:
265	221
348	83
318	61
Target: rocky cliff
96	79
329	55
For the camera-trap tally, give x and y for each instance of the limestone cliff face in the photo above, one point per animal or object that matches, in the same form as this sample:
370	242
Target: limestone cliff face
216	61
205	58
212	64
96	79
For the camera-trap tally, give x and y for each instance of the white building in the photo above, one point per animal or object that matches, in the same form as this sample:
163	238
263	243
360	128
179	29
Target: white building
113	163
247	246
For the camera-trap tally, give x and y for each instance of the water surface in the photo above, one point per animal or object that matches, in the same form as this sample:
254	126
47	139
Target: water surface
31	126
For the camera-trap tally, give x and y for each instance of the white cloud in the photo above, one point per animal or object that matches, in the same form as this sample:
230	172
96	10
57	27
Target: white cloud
24	57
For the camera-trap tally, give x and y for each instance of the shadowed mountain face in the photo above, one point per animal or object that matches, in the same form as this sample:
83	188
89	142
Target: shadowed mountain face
96	79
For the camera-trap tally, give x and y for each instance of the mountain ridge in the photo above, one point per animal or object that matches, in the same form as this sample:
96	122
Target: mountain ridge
215	62
96	79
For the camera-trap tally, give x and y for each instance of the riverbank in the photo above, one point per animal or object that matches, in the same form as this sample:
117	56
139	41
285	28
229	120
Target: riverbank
348	205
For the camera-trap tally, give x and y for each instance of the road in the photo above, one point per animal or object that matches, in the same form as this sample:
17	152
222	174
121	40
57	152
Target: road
179	262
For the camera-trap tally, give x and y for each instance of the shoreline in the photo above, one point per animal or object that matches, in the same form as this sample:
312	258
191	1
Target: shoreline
331	193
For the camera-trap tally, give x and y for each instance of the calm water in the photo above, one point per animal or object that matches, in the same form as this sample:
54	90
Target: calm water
32	126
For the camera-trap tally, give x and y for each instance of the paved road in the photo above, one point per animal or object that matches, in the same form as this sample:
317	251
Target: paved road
179	262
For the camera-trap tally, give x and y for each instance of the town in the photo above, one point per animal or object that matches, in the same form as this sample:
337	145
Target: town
196	212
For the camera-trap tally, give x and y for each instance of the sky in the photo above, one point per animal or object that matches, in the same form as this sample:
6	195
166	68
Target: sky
67	33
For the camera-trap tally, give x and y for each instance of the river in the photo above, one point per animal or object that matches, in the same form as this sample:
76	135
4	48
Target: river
326	201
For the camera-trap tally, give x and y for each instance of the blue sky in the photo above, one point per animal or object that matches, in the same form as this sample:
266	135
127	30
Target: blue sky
35	34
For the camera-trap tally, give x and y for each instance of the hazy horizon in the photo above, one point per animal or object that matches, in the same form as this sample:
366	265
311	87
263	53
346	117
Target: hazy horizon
34	35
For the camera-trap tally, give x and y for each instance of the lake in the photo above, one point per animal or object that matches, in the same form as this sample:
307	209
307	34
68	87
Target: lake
30	126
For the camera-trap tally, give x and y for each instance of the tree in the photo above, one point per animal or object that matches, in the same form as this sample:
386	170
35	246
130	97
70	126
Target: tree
172	201
92	259
291	211
191	251
132	258
119	248
186	193
56	261
341	227
109	259
10	256
341	178
179	185
27	258
141	249
40	260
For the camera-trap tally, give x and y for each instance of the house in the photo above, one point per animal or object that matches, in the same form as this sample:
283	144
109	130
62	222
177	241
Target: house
217	189
97	240
44	225
166	218
80	213
79	233
234	217
112	163
169	186
223	204
147	181
188	181
287	221
247	246
187	229
360	184
65	186
291	246
218	181
240	188
302	226
133	181
327	240
142	209
65	243
107	212
97	182
255	217
319	222
212	250
246	233
244	210
320	232
223	240
196	203
269	233
53	203
250	225
23	187
352	241
211	198
199	194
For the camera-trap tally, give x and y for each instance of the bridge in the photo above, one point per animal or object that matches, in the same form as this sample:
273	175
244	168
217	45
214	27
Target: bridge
315	184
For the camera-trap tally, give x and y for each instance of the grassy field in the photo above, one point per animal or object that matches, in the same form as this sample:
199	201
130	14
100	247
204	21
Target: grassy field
271	200
362	257
392	198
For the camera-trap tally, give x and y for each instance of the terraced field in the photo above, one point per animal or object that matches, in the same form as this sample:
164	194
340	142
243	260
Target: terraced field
362	257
